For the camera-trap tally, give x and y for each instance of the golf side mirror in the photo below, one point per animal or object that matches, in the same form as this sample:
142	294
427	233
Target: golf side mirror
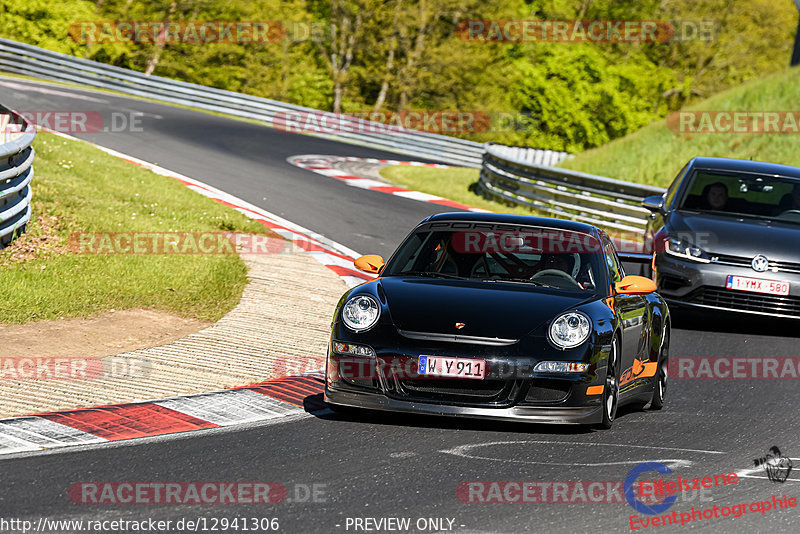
654	203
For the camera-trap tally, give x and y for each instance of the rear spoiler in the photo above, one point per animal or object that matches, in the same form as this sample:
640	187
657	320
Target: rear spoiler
635	257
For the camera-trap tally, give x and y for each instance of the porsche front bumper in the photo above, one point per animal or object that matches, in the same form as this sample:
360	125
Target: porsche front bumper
530	414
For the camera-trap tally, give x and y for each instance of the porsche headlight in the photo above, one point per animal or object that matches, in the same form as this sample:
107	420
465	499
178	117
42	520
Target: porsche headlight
685	249
361	313
570	330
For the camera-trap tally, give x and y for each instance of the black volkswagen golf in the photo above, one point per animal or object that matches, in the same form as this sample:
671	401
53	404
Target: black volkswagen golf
726	236
500	316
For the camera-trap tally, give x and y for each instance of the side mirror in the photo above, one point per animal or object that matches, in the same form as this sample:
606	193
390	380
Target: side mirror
371	263
635	285
654	203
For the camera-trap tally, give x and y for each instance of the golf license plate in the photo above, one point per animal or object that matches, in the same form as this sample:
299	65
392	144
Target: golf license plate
757	285
443	366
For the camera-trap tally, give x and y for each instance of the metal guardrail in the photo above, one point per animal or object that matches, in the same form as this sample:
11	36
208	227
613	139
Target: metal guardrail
16	173
33	61
605	202
30	60
522	176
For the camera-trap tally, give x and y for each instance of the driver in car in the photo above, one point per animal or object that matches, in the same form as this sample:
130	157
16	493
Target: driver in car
564	263
559	262
716	196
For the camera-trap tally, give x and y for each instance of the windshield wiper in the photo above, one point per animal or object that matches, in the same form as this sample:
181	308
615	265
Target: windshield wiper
431	274
520	280
730	214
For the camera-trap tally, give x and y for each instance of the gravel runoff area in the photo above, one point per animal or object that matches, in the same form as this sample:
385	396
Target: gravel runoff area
281	326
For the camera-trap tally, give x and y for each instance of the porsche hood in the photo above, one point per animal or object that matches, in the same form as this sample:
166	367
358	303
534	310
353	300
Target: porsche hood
485	309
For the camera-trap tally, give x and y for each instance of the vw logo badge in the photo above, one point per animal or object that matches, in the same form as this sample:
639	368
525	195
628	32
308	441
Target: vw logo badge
760	263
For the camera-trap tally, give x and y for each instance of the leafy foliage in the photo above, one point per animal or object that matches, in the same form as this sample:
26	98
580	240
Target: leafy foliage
354	55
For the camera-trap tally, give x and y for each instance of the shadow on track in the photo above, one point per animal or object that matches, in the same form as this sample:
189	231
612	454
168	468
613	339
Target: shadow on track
733	323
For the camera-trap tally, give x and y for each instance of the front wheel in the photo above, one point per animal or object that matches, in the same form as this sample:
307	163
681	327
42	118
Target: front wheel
611	390
660	379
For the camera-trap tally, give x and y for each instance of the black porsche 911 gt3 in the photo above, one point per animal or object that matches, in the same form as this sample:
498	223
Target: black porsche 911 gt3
500	316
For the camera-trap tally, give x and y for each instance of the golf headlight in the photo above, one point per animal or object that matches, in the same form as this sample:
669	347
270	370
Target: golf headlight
570	330
361	313
685	249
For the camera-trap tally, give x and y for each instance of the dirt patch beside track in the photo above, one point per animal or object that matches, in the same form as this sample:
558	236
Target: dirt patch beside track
281	326
108	333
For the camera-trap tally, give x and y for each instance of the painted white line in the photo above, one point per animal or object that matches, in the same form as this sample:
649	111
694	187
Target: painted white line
325	165
333	172
583	444
416	195
9	445
767	478
365	183
465	451
47	91
230	407
750	471
156	439
327	259
34	433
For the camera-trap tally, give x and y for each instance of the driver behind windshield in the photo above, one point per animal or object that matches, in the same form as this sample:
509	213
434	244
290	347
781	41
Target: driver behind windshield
560	262
715	196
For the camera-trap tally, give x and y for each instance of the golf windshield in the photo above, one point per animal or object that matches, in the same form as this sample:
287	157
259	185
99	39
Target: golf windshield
768	197
545	257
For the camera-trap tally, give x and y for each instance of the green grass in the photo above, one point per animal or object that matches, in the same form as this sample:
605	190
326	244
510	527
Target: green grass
78	188
655	154
455	183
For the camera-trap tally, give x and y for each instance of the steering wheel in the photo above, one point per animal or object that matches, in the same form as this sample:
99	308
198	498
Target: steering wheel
557	276
478	265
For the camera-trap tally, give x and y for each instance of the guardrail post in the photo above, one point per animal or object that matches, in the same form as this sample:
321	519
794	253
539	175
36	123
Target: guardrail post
16	173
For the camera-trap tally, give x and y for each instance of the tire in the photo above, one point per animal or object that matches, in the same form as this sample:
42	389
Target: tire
611	389
660	378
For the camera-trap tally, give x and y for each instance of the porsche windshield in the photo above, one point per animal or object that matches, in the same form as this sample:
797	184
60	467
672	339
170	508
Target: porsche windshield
545	257
762	196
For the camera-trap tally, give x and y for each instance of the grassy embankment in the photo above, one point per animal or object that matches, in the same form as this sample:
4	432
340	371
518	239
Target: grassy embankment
652	155
78	188
655	154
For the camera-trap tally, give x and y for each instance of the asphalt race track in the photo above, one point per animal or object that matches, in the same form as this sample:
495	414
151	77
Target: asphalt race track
382	466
